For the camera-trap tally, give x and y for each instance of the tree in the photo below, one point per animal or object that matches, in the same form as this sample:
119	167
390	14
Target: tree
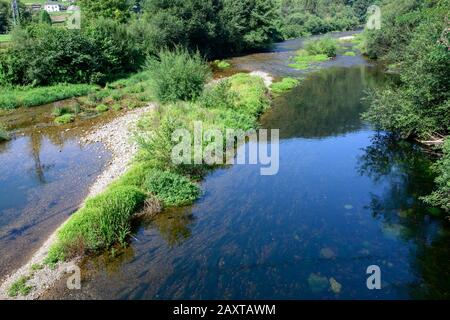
118	10
5	13
44	17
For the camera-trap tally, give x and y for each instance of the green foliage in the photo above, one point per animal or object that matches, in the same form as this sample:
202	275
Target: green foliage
419	106
40	54
34	96
119	10
441	197
303	60
20	287
103	221
303	17
325	45
218	96
101	108
222	64
171	188
349	54
284	85
65	118
178	75
44	17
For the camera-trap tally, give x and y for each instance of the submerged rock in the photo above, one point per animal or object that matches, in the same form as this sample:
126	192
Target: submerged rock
335	286
327	253
317	283
348	207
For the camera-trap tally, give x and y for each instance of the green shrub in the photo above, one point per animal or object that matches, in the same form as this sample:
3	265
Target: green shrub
218	96
65	118
325	45
101	108
284	85
350	54
441	197
170	188
177	75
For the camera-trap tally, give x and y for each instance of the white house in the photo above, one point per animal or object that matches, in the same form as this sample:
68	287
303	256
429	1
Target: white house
52	7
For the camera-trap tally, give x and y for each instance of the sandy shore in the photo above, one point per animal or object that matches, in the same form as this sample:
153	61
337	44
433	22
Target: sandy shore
116	136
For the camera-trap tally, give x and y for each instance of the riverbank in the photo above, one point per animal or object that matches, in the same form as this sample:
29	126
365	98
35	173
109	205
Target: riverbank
115	136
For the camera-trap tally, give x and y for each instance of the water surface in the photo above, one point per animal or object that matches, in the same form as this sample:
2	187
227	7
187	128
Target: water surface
346	197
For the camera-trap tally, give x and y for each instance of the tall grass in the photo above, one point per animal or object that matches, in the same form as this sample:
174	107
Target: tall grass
15	97
103	221
178	75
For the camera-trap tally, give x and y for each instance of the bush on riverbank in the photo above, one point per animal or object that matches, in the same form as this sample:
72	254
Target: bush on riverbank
325	45
441	197
418	107
103	221
170	188
178	75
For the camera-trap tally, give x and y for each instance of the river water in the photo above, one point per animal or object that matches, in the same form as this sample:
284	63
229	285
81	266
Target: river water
45	174
346	197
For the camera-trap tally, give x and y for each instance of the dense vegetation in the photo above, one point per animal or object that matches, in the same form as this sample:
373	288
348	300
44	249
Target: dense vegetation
117	36
412	40
303	17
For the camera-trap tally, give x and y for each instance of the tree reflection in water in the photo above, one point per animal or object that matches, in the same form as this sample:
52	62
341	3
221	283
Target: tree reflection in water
405	172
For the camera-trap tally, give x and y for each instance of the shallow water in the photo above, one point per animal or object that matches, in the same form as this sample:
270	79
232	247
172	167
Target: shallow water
345	198
44	176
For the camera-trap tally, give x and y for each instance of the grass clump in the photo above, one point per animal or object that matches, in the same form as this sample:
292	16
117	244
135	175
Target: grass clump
20	287
284	85
315	51
350	54
222	64
65	118
15	97
103	221
171	188
116	107
178	75
102	108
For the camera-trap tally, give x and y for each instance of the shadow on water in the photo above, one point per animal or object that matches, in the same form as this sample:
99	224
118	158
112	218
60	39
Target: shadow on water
346	197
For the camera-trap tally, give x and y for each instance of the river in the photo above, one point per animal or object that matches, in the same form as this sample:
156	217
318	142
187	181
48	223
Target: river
346	197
